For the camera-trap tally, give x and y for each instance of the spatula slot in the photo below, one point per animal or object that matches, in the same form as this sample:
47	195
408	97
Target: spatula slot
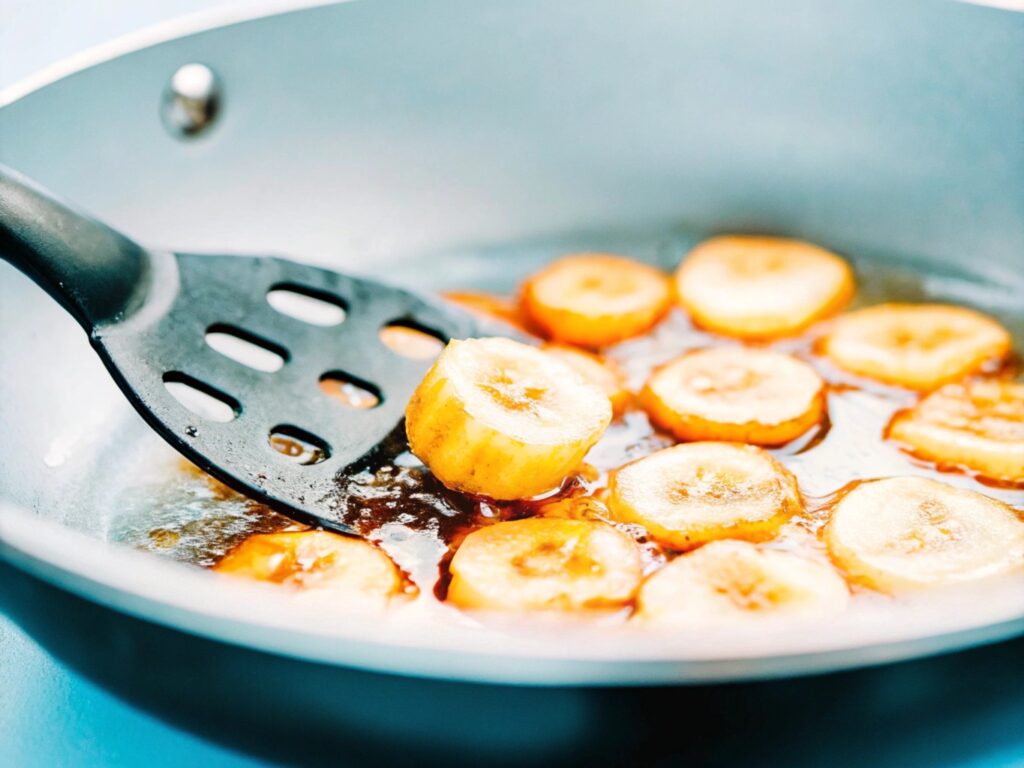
307	304
201	399
350	391
299	445
411	339
246	348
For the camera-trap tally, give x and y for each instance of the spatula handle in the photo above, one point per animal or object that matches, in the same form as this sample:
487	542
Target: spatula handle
96	273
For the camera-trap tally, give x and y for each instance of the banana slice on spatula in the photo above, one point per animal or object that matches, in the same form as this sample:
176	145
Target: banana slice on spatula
761	287
502	419
735	581
910	533
977	425
694	493
735	394
545	564
918	346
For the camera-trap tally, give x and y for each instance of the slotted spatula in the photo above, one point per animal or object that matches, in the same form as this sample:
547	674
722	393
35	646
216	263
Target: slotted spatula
148	315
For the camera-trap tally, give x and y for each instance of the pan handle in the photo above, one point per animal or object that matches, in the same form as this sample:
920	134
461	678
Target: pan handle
94	272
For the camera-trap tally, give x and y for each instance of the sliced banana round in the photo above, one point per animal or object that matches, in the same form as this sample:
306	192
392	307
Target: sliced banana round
735	394
596	299
761	287
498	418
725	582
918	346
492	306
977	425
348	568
697	492
911	532
545	564
598	371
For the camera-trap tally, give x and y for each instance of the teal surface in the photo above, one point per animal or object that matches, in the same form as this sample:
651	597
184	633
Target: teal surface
49	717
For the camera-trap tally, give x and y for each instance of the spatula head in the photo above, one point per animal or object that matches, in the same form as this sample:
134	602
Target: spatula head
163	346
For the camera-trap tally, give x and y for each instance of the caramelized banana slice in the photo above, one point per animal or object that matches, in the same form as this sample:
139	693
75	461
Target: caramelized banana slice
491	305
910	532
349	568
978	425
735	394
498	418
918	346
545	564
733	581
697	492
598	371
596	299
761	287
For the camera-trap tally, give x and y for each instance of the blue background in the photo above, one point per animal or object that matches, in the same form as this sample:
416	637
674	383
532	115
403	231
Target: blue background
50	716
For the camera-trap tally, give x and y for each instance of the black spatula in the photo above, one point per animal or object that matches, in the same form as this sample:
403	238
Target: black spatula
149	315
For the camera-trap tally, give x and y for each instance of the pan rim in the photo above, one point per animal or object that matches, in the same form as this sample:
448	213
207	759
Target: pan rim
256	617
155	34
213	18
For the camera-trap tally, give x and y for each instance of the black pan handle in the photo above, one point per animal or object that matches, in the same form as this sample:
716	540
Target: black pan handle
95	273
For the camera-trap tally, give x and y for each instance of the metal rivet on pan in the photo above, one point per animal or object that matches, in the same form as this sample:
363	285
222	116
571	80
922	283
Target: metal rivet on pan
191	100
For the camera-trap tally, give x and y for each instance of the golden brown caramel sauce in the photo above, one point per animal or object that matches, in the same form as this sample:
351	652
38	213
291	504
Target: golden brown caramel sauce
163	538
349	394
394	501
410	342
301	452
195	518
290	448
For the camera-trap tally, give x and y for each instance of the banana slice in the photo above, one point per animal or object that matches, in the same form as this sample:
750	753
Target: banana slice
735	394
347	568
918	346
697	492
493	306
545	564
498	418
978	425
910	532
761	287
598	371
725	582
596	299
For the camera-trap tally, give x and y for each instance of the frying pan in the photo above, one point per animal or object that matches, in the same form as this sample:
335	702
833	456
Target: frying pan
390	137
